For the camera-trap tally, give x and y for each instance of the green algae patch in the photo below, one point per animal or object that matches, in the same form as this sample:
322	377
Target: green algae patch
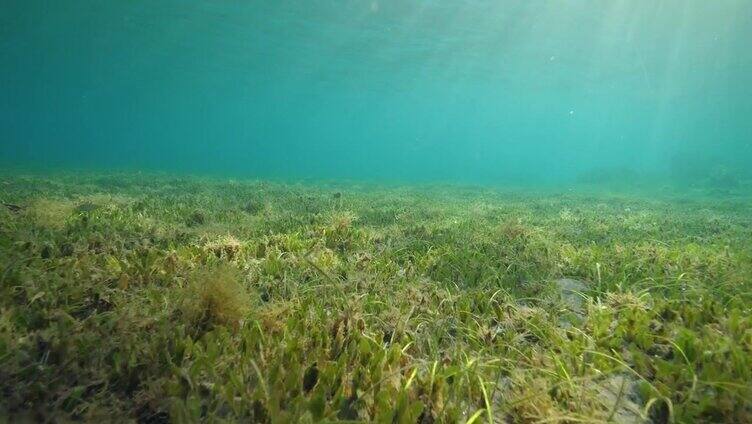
50	212
215	296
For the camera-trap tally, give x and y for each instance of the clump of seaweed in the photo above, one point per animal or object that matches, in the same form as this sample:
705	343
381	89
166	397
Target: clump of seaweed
50	212
215	296
226	247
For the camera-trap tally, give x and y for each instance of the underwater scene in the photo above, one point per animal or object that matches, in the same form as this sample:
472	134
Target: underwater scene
415	211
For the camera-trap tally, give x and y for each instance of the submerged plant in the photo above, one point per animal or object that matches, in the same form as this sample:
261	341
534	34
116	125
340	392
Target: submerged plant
51	213
215	295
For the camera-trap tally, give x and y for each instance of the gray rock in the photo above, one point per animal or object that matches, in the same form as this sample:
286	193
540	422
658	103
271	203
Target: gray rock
619	394
571	292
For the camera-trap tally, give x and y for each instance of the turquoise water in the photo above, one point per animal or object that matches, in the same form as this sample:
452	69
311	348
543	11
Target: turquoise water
432	90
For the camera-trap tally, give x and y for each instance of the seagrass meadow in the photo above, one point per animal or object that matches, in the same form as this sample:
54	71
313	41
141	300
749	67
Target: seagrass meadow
157	298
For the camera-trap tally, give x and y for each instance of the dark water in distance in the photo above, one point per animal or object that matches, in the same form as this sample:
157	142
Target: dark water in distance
409	90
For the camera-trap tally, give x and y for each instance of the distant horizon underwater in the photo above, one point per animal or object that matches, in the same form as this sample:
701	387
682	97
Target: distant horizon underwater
460	92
